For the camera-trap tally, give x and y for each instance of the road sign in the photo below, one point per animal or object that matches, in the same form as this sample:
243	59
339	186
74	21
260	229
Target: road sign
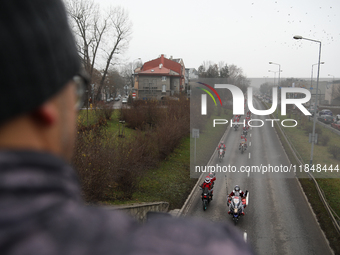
315	138
195	133
133	95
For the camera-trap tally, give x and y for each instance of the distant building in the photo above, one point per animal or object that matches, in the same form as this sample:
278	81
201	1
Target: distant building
333	93
191	73
159	78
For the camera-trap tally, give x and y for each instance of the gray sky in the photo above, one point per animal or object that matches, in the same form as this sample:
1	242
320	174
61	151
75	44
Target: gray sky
248	33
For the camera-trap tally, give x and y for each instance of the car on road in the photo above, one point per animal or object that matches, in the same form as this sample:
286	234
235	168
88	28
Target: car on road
124	100
311	110
326	119
326	112
336	125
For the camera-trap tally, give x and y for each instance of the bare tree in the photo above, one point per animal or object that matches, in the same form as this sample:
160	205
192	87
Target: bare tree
101	36
127	71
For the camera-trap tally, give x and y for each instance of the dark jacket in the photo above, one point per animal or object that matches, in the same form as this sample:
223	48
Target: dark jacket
41	212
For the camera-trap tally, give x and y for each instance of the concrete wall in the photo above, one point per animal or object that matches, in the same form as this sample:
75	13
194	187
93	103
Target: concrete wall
139	211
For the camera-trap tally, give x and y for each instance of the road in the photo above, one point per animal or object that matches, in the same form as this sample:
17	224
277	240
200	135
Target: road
278	218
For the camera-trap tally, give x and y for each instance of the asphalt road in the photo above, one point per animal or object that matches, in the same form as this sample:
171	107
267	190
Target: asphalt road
278	218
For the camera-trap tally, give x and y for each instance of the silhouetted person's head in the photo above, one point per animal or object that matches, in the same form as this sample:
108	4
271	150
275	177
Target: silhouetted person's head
38	63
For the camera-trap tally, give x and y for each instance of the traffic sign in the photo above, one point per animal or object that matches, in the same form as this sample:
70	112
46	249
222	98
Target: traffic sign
133	95
195	133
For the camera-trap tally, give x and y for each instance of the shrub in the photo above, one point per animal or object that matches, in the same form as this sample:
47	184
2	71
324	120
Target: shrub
324	139
309	129
334	150
110	168
103	111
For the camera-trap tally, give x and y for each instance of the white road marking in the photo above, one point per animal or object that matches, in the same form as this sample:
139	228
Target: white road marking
248	174
250	135
249	155
245	236
249	143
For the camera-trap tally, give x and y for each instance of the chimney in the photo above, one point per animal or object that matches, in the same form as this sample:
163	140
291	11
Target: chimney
162	59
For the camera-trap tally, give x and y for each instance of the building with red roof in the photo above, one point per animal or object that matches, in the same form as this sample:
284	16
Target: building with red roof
159	78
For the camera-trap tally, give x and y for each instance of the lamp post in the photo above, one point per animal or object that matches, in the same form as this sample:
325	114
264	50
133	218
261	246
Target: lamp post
274	74
298	37
271	63
311	79
265	78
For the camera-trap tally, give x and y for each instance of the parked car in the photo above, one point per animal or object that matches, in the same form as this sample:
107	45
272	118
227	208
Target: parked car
336	125
117	98
124	100
325	112
337	117
327	119
108	100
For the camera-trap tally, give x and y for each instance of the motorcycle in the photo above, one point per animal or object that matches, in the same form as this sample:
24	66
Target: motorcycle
245	133
235	204
206	198
236	127
243	147
220	154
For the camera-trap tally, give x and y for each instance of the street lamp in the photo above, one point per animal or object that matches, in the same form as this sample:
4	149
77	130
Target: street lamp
272	63
299	37
279	70
274	74
265	78
311	79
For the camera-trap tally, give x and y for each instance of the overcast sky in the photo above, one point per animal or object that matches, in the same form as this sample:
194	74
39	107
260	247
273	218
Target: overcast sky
246	33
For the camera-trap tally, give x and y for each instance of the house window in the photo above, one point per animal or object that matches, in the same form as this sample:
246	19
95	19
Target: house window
163	78
163	88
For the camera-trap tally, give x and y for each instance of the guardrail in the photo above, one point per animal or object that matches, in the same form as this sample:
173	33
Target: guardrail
299	159
335	131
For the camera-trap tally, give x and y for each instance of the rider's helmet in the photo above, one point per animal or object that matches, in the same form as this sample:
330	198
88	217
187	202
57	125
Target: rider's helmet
237	188
211	175
222	142
207	180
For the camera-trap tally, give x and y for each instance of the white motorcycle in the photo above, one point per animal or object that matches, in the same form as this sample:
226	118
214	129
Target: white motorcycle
220	154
